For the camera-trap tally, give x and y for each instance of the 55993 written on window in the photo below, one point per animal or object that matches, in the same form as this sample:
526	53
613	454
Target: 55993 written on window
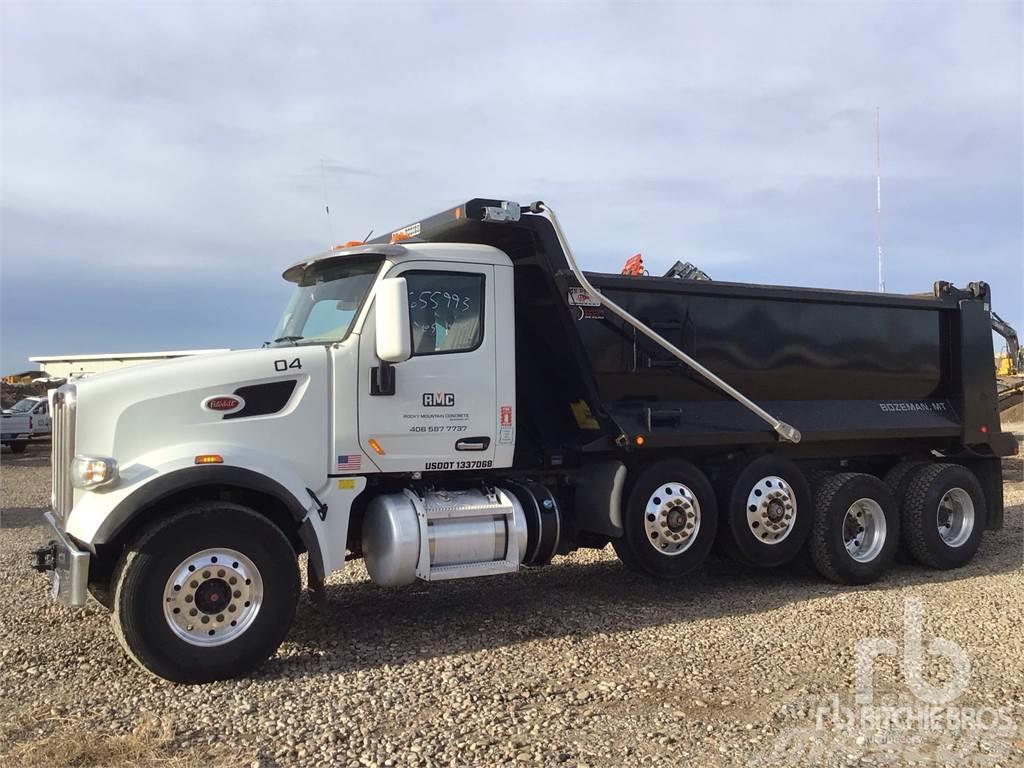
447	311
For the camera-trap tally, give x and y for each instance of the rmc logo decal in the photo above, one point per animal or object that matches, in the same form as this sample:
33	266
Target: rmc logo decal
439	399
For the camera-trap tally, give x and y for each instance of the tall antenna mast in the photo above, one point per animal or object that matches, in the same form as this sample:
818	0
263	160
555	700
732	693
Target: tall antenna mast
878	199
327	208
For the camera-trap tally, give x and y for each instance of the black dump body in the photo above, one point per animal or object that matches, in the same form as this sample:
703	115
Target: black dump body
859	374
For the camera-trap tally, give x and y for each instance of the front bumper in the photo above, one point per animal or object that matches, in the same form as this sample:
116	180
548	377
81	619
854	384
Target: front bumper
67	564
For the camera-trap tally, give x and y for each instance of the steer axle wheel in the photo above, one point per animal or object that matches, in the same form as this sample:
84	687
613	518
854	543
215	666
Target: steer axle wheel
207	594
213	596
669	520
766	512
855	531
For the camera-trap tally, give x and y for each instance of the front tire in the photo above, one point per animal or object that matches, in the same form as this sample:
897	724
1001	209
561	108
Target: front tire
208	593
669	521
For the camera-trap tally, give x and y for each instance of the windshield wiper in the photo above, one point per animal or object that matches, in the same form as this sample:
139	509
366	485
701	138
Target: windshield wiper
288	338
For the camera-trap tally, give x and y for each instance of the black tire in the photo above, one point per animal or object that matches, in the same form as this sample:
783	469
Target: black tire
898	477
102	594
626	556
735	533
141	577
920	515
681	532
833	498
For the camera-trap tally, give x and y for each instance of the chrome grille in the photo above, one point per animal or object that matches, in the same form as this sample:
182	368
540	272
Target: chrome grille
63	426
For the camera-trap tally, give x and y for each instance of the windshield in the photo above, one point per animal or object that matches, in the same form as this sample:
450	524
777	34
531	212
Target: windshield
24	406
326	300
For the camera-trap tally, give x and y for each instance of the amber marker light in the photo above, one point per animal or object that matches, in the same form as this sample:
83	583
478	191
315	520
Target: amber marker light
209	458
639	440
376	446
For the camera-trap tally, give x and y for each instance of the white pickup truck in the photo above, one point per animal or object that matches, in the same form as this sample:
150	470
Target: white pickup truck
28	420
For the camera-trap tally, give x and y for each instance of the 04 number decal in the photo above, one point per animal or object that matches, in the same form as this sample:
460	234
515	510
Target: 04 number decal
283	365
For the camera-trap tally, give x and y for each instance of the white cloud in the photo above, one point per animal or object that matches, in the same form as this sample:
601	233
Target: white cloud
157	139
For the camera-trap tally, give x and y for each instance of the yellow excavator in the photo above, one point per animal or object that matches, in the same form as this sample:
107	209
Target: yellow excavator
1010	363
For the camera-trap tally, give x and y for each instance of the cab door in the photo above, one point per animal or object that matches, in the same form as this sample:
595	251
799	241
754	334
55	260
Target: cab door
41	418
440	412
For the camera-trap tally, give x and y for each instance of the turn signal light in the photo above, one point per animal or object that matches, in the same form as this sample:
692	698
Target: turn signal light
376	446
639	440
209	458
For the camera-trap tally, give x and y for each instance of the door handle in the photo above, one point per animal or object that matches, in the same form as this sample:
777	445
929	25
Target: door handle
382	380
472	444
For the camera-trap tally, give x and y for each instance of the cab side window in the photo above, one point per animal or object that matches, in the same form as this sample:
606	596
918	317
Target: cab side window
447	311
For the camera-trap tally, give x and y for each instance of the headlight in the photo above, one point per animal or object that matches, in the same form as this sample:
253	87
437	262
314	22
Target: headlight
91	472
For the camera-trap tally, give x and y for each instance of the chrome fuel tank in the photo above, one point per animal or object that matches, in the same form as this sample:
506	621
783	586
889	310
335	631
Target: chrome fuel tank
442	535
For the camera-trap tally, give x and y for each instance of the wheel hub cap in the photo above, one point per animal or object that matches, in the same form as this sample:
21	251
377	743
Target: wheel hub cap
955	517
672	518
864	530
771	509
212	597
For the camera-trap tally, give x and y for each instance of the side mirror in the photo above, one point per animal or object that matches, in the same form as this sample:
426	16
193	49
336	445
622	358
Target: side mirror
394	329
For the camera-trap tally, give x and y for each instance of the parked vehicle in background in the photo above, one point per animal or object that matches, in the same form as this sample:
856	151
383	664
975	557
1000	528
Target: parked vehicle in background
27	420
459	399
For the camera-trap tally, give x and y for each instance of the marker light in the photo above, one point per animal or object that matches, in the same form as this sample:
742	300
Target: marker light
639	440
376	446
209	458
92	472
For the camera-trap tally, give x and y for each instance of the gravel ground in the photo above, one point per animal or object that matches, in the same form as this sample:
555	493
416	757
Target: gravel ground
580	663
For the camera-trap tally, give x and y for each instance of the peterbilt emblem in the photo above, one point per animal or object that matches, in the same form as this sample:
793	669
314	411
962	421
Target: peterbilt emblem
224	403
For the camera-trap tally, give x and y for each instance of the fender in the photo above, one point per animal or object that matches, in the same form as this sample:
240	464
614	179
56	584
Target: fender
98	516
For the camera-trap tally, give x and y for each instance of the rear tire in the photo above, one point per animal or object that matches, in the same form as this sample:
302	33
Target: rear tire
207	594
943	515
766	510
898	477
669	520
855	531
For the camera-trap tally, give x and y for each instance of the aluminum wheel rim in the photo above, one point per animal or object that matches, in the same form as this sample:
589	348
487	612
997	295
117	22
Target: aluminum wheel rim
864	530
672	519
771	510
213	597
955	517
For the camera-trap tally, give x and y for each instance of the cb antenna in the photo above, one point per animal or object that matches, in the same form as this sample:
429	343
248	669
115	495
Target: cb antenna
327	207
878	199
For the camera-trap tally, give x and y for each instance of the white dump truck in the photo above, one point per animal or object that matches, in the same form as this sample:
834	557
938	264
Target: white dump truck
458	399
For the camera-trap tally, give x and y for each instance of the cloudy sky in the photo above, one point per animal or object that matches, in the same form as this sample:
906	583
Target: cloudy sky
161	164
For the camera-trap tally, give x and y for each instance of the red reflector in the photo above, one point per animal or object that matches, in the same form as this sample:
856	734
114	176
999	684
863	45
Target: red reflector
984	429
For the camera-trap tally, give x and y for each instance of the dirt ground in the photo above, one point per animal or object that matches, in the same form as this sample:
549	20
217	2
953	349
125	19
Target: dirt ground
580	663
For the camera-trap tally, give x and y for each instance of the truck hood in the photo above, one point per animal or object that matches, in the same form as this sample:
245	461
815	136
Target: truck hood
128	412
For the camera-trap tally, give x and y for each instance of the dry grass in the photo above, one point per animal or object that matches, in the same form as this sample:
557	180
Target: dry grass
31	739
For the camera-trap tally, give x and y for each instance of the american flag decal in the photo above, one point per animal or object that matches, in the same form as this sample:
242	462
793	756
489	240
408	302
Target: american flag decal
349	462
